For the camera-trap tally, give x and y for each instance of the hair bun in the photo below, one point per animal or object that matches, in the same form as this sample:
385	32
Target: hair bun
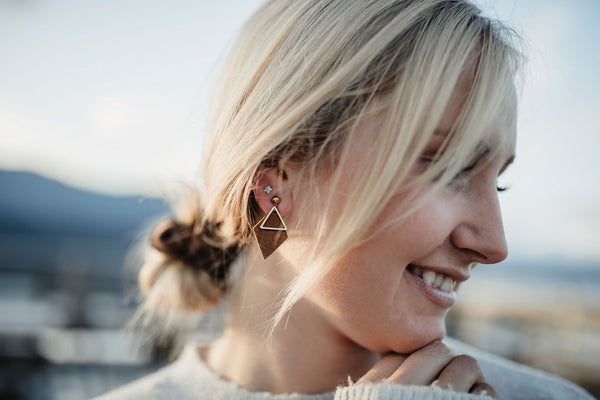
196	247
171	238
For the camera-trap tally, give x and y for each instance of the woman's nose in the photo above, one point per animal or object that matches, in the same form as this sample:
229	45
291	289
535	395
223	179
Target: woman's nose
481	231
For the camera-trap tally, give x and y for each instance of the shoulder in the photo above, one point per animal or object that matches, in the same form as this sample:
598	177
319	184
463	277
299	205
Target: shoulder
162	384
185	378
189	378
515	381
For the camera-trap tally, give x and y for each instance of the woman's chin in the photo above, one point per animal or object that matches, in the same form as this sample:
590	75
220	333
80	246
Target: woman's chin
418	339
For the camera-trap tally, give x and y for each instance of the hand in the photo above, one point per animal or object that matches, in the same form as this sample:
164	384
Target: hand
433	365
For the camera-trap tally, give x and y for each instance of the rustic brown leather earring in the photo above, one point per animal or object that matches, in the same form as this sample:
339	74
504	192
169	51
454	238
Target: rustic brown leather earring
270	231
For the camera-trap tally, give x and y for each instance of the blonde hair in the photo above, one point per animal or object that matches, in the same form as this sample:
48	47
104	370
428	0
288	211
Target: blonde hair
302	75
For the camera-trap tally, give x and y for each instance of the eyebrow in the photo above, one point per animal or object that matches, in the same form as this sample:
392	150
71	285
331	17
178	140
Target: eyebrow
481	150
507	164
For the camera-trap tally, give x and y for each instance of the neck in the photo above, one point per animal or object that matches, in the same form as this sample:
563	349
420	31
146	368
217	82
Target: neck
304	353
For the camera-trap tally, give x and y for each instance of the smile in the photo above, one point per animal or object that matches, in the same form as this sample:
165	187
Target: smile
436	286
436	279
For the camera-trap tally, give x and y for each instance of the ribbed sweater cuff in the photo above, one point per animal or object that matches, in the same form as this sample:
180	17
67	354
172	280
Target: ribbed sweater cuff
374	391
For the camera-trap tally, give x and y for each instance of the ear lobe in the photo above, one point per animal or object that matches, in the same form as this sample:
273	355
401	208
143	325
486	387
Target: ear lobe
269	183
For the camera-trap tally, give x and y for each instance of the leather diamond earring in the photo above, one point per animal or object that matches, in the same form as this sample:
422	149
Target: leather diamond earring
270	231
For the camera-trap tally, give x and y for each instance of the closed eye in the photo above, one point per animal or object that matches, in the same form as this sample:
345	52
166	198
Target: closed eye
469	167
504	188
480	155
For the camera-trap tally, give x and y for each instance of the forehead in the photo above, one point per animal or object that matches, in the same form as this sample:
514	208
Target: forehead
499	130
495	130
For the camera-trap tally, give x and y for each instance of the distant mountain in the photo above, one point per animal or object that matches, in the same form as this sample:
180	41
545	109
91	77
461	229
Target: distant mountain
30	203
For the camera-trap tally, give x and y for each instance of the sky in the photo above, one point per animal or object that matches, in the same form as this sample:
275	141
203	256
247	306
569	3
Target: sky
111	96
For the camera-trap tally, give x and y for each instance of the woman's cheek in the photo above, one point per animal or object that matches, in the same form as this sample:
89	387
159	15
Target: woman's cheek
428	228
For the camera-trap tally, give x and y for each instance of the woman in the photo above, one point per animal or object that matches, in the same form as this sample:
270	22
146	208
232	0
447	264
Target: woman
351	171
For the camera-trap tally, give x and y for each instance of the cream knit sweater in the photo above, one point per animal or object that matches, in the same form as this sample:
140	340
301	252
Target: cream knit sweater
189	378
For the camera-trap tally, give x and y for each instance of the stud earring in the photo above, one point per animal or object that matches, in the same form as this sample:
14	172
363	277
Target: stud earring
267	189
270	231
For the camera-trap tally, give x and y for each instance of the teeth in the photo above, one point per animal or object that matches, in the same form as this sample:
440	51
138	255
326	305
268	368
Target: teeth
440	281
429	276
448	284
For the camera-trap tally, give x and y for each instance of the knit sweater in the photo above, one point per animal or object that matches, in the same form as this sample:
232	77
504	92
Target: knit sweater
189	378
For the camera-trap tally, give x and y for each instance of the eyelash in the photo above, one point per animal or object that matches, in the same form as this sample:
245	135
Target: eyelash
466	170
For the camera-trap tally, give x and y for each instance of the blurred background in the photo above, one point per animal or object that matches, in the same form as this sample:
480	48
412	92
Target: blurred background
101	115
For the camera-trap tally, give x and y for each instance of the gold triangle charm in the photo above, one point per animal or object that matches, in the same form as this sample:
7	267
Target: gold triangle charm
273	222
270	232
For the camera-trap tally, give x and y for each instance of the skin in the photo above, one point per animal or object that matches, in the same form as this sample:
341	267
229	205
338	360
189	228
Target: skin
334	332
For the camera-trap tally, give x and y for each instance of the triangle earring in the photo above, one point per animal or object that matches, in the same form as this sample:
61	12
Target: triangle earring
275	223
271	231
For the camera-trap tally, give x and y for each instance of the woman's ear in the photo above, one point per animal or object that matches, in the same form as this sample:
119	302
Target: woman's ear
271	182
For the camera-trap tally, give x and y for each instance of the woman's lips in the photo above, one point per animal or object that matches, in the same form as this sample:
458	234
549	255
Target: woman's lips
437	287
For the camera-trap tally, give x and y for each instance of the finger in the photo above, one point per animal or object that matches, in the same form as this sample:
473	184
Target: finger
485	388
424	365
461	374
383	369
